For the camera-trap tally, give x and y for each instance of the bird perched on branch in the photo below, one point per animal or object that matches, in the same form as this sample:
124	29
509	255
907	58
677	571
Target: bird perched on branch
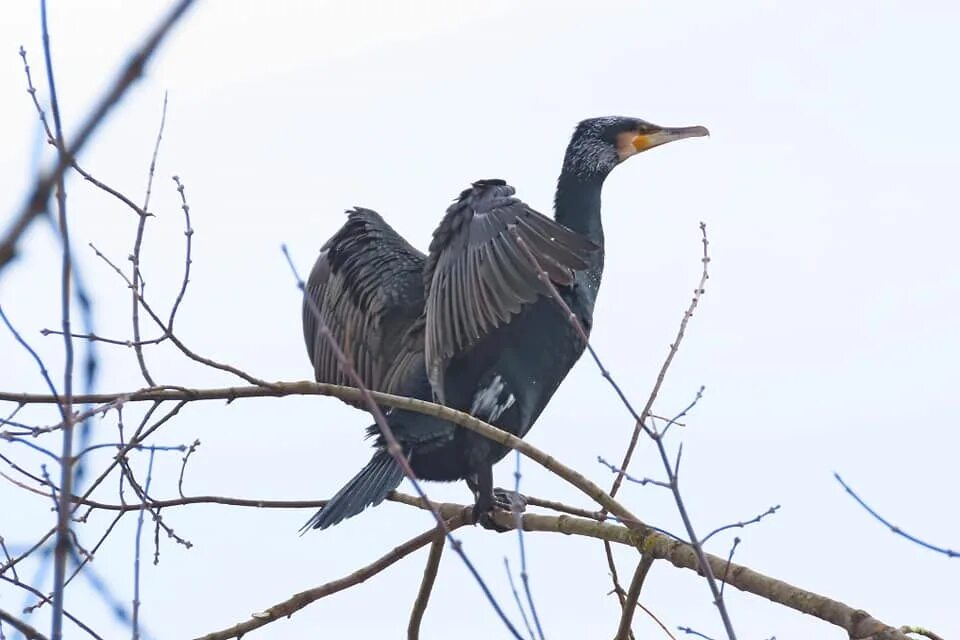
471	325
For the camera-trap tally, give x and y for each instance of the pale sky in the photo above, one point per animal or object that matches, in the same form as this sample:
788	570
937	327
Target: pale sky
826	340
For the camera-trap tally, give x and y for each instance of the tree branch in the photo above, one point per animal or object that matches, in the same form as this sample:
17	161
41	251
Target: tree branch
25	629
426	586
299	601
630	604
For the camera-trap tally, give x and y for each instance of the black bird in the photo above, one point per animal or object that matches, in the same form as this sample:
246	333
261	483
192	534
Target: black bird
470	325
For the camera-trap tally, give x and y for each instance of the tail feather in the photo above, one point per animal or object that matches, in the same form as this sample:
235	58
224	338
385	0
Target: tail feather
368	488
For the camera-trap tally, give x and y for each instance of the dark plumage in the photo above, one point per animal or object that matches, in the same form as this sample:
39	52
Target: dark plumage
471	325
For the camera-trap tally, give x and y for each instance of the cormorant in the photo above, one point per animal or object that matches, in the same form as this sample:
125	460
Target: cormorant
470	325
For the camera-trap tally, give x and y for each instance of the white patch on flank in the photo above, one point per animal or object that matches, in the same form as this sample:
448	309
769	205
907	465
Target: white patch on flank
487	401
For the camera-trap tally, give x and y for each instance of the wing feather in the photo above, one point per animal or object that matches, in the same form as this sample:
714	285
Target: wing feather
477	276
366	287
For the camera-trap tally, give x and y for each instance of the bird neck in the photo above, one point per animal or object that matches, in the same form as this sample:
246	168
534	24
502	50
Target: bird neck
577	204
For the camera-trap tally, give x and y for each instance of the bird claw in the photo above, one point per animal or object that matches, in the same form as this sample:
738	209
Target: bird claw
503	501
509	500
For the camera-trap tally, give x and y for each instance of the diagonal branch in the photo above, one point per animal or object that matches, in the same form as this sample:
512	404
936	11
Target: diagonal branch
426	586
25	629
630	604
299	601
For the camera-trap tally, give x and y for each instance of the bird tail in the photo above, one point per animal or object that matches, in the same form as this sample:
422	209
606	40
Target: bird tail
368	488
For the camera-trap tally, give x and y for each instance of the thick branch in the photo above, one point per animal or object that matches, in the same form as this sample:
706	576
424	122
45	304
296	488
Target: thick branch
280	389
857	623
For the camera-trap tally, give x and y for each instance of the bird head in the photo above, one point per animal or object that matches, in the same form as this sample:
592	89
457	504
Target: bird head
600	144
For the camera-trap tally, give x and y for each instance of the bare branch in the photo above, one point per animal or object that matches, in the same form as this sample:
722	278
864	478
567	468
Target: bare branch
950	553
694	632
176	341
55	397
639	575
135	617
620	592
183	467
739	525
62	540
38	593
188	259
426	586
726	568
299	601
524	576
28	632
516	598
279	389
136	275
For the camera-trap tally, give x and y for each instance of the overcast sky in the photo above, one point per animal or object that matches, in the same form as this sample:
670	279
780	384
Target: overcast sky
827	339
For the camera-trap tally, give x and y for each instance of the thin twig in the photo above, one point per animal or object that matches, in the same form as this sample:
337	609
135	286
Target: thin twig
183	467
739	525
639	575
36	358
630	478
134	441
673	472
61	548
950	553
67	614
640	424
136	276
135	616
6	554
87	557
426	586
726	569
188	259
173	338
52	141
618	590
92	337
516	598
524	577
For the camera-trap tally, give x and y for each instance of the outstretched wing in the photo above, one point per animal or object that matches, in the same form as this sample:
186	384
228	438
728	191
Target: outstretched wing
367	288
478	276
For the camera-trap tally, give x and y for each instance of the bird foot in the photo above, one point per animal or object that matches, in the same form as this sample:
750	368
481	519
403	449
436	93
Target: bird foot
509	500
503	501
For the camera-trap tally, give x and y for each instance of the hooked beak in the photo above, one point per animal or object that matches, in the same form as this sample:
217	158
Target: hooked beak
644	141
